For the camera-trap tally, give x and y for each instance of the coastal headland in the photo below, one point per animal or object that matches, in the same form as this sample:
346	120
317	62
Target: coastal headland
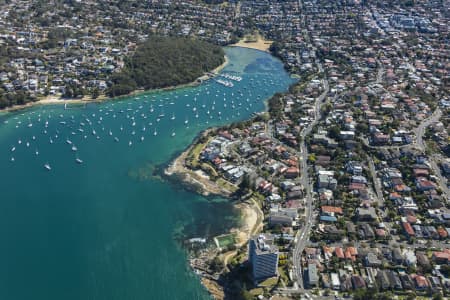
202	183
198	180
187	169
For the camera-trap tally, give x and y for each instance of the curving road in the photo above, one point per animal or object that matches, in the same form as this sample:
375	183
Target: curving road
420	144
302	236
420	130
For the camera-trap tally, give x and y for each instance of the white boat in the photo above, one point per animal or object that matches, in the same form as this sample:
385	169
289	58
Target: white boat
130	143
13	149
173	134
173	117
37	152
155	132
74	148
78	160
116	139
142	138
28	144
12	159
232	77
225	82
69	142
47	166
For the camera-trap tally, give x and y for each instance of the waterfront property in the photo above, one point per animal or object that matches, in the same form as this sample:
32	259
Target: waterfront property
263	257
106	228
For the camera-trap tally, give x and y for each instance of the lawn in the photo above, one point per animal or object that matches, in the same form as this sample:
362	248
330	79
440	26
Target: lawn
226	240
283	275
226	185
256	292
269	283
195	152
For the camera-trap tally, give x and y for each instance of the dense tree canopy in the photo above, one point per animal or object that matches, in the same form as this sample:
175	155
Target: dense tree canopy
165	61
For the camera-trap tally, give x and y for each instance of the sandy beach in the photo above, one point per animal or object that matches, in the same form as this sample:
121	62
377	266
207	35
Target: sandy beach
259	44
57	99
252	217
251	214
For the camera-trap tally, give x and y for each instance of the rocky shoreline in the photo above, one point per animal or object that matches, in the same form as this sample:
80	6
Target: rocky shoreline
195	180
251	218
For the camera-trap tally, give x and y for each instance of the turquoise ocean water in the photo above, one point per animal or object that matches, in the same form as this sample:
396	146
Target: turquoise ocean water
102	229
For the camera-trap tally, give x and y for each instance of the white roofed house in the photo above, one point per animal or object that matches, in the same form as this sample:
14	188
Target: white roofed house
313	277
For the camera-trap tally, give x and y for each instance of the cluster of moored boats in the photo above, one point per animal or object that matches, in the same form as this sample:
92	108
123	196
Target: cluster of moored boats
231	77
225	82
134	120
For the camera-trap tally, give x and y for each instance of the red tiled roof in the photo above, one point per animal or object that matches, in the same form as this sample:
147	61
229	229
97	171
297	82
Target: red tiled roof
408	228
353	250
421	281
394	195
441	255
339	252
357	186
411	219
442	232
292	170
332	209
400	187
381	232
420	172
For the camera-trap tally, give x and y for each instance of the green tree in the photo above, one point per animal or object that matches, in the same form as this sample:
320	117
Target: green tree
245	184
246	295
95	93
437	296
166	61
217	264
